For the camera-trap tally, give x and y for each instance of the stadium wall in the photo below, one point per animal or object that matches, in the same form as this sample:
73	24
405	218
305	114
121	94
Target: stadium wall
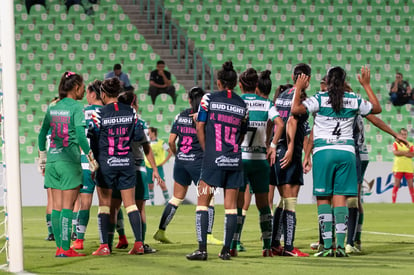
33	193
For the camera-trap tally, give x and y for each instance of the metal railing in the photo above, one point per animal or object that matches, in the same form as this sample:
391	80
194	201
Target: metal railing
178	40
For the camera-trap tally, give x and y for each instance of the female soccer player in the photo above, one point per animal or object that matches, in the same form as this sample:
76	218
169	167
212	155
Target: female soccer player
114	130
62	162
334	147
139	148
188	160
222	123
255	150
88	185
403	166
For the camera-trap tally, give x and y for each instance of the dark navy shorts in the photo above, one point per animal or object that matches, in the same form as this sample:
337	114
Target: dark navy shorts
120	179
227	179
141	188
185	173
293	174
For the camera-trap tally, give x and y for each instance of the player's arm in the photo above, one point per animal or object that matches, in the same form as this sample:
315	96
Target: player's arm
379	123
364	78
201	134
397	152
151	159
172	144
271	152
307	160
297	108
42	144
291	127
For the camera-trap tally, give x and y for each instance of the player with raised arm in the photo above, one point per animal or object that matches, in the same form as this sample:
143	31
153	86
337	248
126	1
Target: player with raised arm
287	173
88	185
334	149
221	125
62	163
114	130
257	148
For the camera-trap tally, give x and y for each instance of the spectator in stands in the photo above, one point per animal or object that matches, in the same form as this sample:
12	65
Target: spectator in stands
400	92
160	82
117	72
30	3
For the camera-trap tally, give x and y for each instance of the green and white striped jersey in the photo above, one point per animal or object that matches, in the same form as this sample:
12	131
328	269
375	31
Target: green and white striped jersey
260	111
335	130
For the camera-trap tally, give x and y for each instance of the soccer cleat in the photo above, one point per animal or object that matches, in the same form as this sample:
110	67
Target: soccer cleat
295	253
233	252
340	252
78	244
358	245
160	236
349	249
267	253
58	251
73	237
316	246
197	256
240	247
225	255
138	249
103	250
70	253
326	252
148	249
122	243
212	240
50	238
277	251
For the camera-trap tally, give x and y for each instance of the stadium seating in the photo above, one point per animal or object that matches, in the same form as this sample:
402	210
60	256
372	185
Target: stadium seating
51	41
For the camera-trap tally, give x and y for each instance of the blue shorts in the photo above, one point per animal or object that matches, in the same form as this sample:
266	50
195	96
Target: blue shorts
227	179
141	188
256	173
293	174
184	173
88	185
120	179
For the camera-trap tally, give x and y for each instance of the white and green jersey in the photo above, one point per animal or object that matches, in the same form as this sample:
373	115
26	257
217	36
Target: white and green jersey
335	130
88	111
260	111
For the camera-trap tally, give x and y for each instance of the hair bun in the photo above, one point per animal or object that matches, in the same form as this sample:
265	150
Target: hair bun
228	66
265	74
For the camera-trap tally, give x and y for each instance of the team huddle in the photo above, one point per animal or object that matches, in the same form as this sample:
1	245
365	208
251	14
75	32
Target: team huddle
244	144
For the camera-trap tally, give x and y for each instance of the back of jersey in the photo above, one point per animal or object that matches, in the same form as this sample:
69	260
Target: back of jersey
225	114
116	127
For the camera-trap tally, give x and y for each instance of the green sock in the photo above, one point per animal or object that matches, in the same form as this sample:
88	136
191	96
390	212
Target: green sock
325	222
359	227
83	219
266	226
166	196
151	196
49	223
65	218
55	216
111	233
120	223
74	221
341	221
144	230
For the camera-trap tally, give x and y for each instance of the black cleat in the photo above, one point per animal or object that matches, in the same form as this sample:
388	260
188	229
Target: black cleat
148	249
50	238
197	256
225	254
73	237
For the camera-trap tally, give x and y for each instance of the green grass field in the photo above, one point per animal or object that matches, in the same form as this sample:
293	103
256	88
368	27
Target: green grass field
388	245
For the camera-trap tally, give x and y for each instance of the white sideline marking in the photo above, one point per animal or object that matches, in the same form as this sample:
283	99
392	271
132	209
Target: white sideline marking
388	234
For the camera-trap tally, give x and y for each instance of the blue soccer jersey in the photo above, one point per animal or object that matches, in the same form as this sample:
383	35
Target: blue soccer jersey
283	103
225	115
188	149
114	130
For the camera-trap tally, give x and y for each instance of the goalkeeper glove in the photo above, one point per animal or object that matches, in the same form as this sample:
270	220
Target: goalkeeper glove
93	164
42	161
